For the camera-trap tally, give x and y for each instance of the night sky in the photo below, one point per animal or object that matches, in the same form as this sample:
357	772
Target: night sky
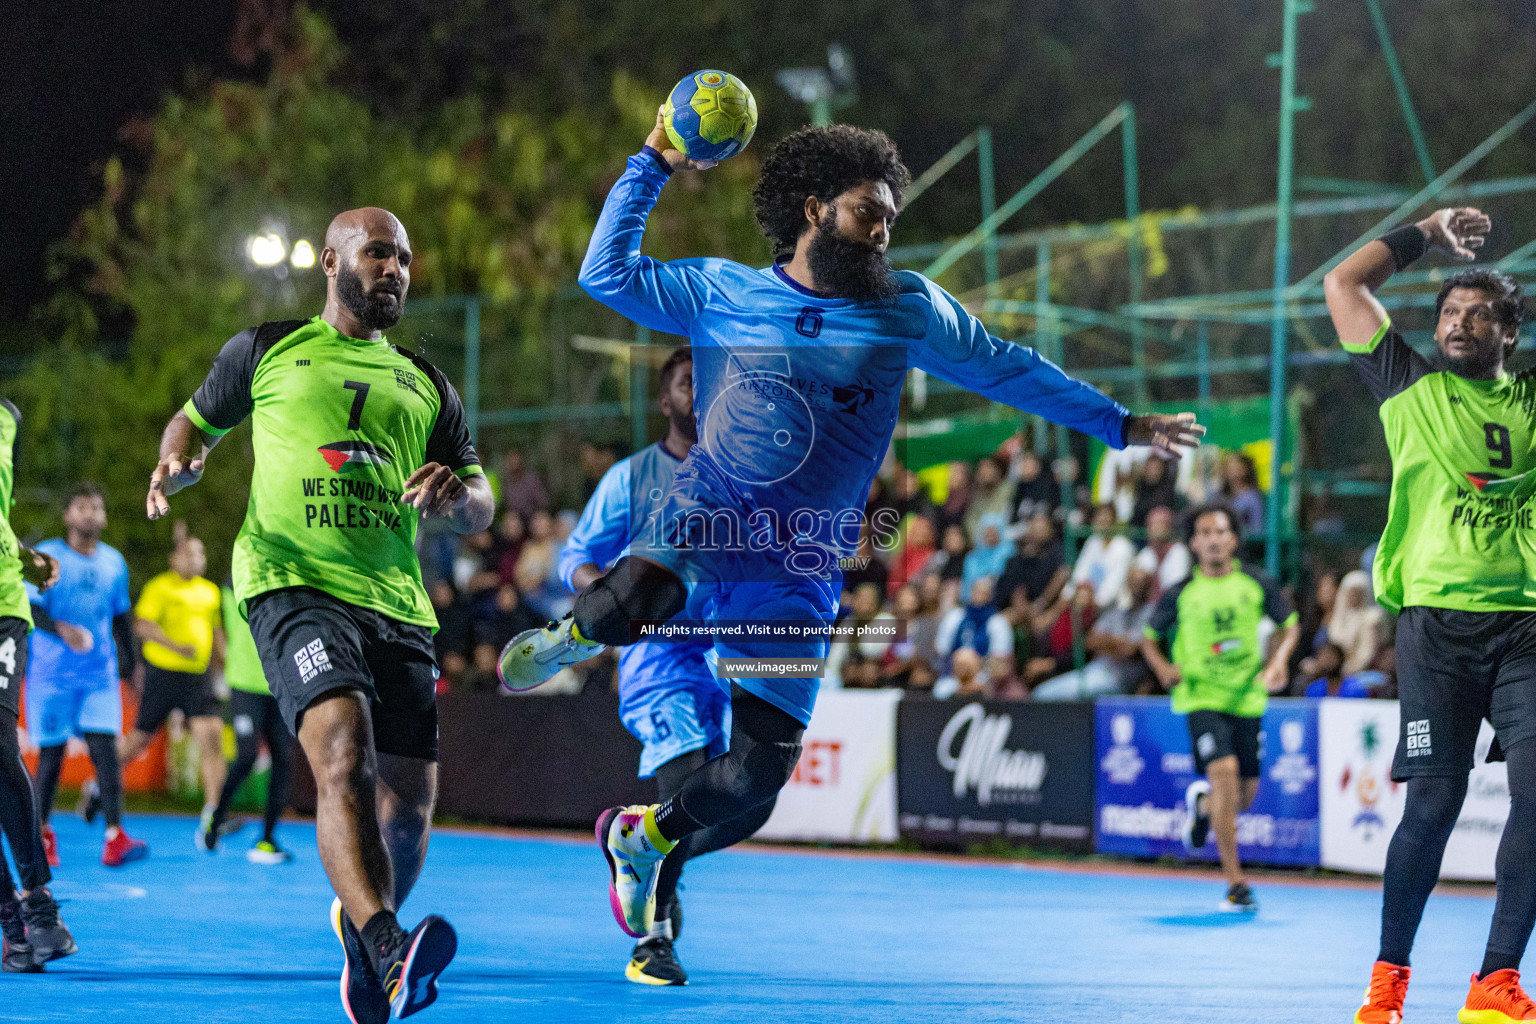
76	72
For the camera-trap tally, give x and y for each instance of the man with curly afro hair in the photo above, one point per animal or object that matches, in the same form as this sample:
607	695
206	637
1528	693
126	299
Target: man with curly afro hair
798	374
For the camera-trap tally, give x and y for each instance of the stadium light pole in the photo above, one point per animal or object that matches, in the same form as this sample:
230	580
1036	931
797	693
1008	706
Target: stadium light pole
1290	103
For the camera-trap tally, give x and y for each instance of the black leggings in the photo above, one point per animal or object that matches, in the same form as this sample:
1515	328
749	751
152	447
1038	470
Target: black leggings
18	815
257	718
1413	862
765	744
669	780
109	776
634	591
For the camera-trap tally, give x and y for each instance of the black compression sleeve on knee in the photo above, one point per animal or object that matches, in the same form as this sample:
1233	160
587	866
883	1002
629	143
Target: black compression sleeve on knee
765	745
729	833
634	591
50	761
1515	907
18	813
109	775
1413	860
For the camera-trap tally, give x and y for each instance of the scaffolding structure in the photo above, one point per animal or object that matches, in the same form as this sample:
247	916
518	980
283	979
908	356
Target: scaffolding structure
1181	325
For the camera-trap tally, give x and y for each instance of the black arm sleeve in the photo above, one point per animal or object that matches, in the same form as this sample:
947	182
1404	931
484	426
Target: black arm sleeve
449	443
127	644
224	398
42	620
1389	366
1165	618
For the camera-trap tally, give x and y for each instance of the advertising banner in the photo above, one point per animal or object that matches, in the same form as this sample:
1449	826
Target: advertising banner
1145	765
1010	771
844	786
1361	805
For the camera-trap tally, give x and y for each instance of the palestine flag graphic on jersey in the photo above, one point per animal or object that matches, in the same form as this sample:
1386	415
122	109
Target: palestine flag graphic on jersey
1518	486
340	454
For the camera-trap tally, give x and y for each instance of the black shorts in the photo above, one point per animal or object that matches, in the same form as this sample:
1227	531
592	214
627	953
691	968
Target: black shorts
13	661
312	644
1455	669
1214	735
165	691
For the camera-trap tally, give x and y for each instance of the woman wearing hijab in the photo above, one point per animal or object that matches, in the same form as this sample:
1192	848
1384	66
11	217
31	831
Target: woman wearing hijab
989	555
1357	623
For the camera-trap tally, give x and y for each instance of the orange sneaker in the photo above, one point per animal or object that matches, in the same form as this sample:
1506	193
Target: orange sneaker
1497	999
1384	999
50	846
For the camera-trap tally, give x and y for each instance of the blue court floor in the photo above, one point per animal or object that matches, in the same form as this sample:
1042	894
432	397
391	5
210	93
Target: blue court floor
770	936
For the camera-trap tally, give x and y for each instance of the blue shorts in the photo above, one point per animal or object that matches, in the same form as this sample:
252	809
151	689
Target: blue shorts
55	713
742	581
671	722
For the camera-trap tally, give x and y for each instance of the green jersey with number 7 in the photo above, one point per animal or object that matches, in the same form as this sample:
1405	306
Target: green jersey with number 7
338	425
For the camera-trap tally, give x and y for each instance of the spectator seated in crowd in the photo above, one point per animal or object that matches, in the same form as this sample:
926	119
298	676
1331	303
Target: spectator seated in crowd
856	663
522	492
977	625
872	570
952	512
991	495
1240	491
916	549
908	663
990	555
1155	487
948	563
1166	557
1105	558
1036	491
1073	614
1113	644
1357	625
1037	566
966	678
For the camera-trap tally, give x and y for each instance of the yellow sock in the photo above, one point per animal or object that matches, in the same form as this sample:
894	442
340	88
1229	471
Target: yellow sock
661	842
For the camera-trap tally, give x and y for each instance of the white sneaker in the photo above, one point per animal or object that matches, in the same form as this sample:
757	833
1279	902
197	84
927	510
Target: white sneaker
1197	815
634	858
534	655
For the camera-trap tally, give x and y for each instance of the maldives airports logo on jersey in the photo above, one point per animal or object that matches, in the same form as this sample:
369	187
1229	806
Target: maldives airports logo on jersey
340	454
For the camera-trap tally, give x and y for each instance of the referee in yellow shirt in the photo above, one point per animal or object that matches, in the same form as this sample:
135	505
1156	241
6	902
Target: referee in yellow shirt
179	619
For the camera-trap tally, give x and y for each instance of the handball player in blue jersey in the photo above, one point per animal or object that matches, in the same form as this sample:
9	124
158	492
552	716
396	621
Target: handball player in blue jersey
669	698
81	646
798	375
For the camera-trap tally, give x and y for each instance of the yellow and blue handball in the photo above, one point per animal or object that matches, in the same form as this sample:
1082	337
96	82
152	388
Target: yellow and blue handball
710	115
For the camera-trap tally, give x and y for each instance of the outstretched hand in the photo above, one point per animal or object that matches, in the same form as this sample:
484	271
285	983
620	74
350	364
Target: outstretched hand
1456	231
171	474
1169	434
661	143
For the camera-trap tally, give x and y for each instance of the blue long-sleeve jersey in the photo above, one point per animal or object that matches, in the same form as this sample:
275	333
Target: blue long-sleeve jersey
797	394
612	525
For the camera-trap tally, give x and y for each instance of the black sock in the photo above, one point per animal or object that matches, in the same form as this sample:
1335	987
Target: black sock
280	746
50	761
1413	860
1514	910
381	936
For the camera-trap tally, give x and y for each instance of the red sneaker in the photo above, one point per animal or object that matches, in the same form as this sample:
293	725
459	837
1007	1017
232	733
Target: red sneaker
1384	999
1497	999
121	849
50	846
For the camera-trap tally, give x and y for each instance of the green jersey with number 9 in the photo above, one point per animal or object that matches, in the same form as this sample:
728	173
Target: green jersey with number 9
1461	525
338	425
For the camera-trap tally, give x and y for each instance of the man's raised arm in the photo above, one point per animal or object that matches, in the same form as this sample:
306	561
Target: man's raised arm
1349	288
661	296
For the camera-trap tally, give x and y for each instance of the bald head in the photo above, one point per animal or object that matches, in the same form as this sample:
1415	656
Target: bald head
367	259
